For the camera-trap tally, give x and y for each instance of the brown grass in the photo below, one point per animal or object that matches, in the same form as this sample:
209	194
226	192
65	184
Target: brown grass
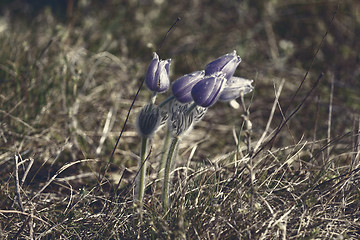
285	165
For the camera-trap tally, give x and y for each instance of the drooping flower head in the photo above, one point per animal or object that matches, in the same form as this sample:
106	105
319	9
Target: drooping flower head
226	64
157	74
234	87
181	88
207	91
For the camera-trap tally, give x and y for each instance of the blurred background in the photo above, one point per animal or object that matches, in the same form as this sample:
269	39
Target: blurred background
69	71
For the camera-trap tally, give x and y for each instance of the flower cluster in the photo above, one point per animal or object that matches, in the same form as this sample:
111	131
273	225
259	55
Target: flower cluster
214	83
192	95
202	88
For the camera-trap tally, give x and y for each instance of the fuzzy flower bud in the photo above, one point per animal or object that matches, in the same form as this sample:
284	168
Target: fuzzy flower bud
148	120
180	120
181	88
157	74
226	64
234	87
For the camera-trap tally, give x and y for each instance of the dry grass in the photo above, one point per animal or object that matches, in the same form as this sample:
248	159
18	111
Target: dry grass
68	77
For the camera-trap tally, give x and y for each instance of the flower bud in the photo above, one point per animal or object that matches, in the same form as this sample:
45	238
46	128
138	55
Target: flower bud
157	74
226	64
180	120
181	88
234	87
206	92
148	120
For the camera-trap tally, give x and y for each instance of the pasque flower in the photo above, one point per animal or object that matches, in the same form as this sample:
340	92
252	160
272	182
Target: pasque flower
207	91
157	74
148	120
226	64
234	87
181	88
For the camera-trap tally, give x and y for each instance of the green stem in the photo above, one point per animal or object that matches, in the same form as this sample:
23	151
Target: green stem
163	103
191	108
238	144
164	156
142	166
153	98
166	186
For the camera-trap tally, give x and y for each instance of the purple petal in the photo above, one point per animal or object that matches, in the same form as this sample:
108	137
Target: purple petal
162	82
234	87
157	74
206	92
181	88
151	70
226	64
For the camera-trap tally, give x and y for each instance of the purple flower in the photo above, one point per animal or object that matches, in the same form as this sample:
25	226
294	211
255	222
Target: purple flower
206	92
226	64
234	87
181	88
157	74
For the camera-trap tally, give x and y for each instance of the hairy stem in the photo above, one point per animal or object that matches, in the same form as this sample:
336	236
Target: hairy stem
166	101
166	186
164	156
142	166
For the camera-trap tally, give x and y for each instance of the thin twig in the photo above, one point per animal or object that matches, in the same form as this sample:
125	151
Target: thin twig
356	157
25	214
315	125
167	33
21	228
31	224
313	59
330	115
58	173
122	131
31	161
283	122
109	123
291	115
18	195
18	119
277	95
